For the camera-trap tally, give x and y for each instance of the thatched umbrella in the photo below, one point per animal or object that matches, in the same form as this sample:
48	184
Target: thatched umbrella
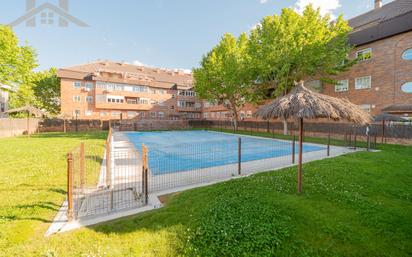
30	111
387	117
302	103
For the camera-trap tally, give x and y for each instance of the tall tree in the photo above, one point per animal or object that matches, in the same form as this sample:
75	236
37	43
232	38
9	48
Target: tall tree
285	49
46	90
16	67
223	76
290	47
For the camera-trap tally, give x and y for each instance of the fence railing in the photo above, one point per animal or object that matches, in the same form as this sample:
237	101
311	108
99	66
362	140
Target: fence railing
103	180
381	130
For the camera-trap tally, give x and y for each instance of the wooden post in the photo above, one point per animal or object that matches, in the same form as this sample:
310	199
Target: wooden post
293	147
368	140
28	124
300	155
383	131
64	126
108	162
145	168
70	186
356	133
328	149
239	156
82	165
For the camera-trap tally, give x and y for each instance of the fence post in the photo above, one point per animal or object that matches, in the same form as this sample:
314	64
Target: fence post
368	142
293	147
239	156
108	162
70	186
82	165
145	174
328	149
356	133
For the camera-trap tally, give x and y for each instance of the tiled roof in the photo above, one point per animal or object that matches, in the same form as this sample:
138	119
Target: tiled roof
391	19
128	73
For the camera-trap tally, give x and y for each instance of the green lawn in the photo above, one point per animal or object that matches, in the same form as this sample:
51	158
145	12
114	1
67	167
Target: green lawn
354	205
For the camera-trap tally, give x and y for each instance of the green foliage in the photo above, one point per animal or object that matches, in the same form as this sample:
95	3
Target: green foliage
353	205
46	89
222	77
16	62
291	47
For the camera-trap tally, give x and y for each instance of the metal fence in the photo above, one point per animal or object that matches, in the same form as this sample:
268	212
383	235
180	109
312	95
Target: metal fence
102	180
380	130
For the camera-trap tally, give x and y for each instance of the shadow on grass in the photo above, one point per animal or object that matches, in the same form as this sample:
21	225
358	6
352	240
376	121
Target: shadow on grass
78	135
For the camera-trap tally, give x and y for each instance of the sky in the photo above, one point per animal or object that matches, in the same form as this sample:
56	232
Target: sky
162	33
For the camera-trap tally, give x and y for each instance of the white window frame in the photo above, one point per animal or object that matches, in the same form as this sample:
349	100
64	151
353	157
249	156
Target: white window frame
342	88
88	86
77	84
362	52
88	113
366	107
358	86
89	99
161	114
153	114
77	98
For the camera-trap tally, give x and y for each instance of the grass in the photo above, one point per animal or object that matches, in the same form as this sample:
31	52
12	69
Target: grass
354	205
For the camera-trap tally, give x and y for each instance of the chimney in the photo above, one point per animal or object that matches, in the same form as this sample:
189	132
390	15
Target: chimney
64	4
378	4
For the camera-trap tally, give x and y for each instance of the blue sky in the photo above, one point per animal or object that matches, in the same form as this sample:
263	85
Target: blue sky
162	33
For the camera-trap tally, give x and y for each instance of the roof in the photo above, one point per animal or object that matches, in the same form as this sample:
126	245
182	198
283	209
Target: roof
398	108
303	103
121	72
389	20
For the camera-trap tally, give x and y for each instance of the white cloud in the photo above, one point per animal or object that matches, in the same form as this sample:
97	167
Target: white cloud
138	63
326	6
263	1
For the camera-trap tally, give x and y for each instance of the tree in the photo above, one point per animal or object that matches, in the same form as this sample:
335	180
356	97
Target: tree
46	90
223	75
291	47
16	67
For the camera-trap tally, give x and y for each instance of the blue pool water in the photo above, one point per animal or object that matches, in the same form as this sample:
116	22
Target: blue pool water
174	151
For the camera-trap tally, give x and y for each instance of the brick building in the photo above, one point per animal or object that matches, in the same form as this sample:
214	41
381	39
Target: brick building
382	80
113	90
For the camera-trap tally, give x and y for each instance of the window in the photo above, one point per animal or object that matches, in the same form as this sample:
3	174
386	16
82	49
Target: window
363	82
407	54
103	113
144	101
153	114
249	114
366	107
314	85
88	86
2	107
152	91
181	103
242	115
116	114
160	91
205	115
142	114
131	114
88	113
161	114
77	98
77	84
89	99
342	86
364	54
407	87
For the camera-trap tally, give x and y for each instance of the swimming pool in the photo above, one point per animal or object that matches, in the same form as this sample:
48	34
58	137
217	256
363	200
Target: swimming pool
174	151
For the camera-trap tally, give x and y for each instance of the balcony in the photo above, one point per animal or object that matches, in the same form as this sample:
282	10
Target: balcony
123	106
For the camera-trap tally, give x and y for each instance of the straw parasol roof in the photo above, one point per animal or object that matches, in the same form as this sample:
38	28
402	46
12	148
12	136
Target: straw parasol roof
304	103
388	117
33	110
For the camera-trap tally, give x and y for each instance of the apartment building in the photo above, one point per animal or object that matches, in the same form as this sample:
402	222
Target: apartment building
382	80
115	90
4	99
